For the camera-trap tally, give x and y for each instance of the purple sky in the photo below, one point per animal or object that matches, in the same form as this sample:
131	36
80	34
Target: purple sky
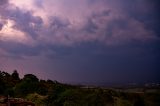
81	40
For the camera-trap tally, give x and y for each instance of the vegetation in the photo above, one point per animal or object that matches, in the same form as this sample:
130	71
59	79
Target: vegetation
53	93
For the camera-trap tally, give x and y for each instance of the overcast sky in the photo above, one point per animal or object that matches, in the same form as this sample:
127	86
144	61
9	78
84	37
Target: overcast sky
114	41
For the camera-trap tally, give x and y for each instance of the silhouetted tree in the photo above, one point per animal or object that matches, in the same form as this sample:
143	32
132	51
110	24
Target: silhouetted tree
2	84
29	84
31	77
15	75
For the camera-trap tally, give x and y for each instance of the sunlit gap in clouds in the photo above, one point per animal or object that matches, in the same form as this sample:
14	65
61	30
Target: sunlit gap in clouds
9	33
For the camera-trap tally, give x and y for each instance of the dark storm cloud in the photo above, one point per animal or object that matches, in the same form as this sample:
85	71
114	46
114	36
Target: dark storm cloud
145	11
91	26
102	26
3	5
20	50
39	3
24	20
27	23
1	25
56	23
101	13
2	2
106	64
82	40
61	30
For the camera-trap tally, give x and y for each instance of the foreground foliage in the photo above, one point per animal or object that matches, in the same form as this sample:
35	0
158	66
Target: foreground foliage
53	93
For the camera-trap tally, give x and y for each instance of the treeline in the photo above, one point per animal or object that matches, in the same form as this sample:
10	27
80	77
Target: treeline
53	93
11	84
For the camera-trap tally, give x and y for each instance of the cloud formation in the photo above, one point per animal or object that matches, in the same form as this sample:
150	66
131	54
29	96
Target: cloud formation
70	22
84	35
39	23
